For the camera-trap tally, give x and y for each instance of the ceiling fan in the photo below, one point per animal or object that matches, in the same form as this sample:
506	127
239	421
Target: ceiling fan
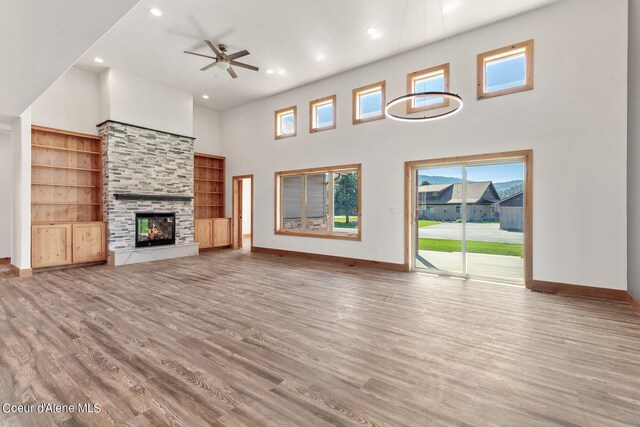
223	60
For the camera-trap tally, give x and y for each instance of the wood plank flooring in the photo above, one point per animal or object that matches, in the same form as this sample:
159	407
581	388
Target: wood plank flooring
231	338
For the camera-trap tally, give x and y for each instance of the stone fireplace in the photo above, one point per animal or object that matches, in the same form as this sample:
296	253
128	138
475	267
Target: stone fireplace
147	173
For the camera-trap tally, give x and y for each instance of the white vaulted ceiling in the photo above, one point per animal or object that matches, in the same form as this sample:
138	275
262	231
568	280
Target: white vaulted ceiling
40	40
305	40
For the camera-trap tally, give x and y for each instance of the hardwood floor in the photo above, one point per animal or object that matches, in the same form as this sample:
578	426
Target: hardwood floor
232	338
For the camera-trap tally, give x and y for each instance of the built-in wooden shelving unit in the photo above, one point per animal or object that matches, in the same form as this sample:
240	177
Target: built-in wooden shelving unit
66	198
209	186
212	229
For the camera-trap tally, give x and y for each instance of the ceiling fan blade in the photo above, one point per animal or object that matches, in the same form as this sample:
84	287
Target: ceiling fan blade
213	47
232	73
242	65
208	66
237	55
199	54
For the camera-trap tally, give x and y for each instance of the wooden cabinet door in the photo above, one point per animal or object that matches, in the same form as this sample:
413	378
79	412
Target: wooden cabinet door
50	245
89	242
204	233
221	232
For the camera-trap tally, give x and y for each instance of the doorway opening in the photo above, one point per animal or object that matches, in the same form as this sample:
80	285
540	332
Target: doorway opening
243	202
471	216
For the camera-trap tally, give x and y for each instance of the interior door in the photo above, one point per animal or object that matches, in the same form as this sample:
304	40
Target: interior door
240	214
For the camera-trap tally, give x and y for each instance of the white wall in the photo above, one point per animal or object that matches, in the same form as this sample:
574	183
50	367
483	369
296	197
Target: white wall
574	120
634	149
206	130
71	103
246	206
21	191
6	184
134	100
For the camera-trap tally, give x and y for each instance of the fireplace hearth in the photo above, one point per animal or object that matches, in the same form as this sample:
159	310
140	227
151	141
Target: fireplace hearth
155	229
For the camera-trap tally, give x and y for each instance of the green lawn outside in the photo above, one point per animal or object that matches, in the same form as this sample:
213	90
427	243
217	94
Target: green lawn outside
341	222
477	247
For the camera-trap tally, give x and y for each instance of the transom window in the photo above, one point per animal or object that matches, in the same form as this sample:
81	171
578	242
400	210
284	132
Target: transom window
505	70
286	121
369	102
319	202
322	114
434	79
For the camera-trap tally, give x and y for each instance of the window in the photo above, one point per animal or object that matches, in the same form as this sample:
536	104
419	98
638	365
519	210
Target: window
434	79
319	202
435	194
286	119
369	102
322	114
505	70
458	209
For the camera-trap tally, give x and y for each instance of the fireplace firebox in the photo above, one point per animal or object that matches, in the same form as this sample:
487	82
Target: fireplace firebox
154	229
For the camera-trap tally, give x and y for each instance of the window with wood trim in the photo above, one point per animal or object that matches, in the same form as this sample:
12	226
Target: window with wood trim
505	70
286	122
322	114
319	202
434	79
369	102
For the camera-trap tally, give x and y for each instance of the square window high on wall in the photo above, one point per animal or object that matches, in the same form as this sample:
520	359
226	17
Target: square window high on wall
286	122
319	202
505	70
369	102
322	114
434	79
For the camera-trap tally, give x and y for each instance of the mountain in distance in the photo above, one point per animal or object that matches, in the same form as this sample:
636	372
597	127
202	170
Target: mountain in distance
437	180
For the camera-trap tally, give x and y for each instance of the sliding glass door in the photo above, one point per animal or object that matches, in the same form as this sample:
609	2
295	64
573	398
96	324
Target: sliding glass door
469	219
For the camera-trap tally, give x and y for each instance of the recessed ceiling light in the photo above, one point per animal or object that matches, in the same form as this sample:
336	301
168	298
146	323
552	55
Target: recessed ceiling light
156	12
320	57
205	96
372	31
98	60
270	71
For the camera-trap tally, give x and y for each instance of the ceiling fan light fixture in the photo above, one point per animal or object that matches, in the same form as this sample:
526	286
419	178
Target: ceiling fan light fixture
223	65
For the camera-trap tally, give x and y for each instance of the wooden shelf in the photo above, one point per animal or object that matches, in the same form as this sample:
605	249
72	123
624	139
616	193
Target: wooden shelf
209	167
72	150
66	168
209	174
64	185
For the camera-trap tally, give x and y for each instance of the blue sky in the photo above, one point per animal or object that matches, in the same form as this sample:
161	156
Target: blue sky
506	73
325	115
371	103
497	173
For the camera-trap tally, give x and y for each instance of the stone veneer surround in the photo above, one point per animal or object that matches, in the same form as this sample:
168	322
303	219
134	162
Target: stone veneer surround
143	161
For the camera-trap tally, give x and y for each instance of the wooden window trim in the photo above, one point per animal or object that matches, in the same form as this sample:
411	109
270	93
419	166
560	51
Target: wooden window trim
310	171
409	212
312	106
293	108
504	52
411	78
356	93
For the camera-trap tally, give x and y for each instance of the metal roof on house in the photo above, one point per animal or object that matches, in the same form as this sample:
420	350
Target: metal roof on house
451	194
